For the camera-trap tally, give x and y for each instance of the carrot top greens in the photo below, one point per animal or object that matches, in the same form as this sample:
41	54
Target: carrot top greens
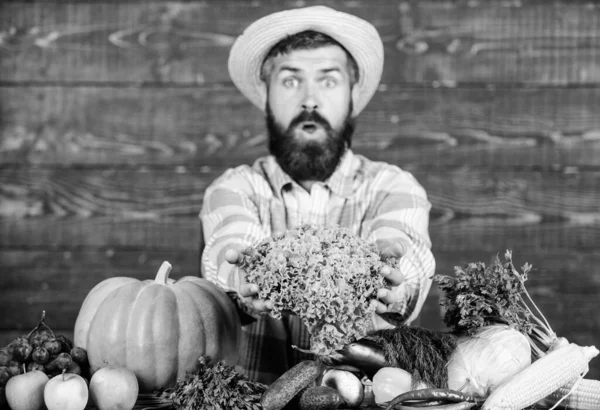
327	276
479	295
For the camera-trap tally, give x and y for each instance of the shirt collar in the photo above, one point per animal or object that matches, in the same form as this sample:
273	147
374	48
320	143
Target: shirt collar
340	182
279	179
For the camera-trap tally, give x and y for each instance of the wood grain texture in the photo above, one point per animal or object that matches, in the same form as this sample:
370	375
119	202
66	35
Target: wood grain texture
58	281
183	233
159	208
499	41
432	41
535	128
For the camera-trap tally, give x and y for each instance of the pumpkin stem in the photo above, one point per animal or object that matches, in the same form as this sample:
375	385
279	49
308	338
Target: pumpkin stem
163	273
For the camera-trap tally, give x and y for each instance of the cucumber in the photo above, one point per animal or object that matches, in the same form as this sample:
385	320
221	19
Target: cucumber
289	384
320	398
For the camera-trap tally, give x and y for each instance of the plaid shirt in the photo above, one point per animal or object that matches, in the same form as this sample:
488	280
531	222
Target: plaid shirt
374	200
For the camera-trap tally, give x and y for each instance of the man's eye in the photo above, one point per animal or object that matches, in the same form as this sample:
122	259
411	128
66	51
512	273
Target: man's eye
329	82
290	82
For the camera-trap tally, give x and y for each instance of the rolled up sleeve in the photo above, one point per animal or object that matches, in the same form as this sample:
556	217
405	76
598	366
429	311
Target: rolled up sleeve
230	219
402	216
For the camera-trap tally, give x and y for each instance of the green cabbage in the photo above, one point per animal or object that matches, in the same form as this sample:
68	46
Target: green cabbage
483	361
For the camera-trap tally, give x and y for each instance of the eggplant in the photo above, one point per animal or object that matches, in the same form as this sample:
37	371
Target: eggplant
363	355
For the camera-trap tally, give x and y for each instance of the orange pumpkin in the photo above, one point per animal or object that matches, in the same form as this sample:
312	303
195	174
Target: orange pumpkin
157	328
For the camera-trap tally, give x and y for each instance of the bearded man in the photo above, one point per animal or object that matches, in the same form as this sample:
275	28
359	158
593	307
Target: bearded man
311	71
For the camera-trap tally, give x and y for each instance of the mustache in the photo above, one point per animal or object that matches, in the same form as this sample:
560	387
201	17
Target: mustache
312	116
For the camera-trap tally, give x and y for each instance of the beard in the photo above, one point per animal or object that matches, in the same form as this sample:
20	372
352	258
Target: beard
309	160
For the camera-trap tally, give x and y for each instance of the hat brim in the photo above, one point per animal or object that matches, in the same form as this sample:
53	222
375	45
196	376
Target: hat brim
359	38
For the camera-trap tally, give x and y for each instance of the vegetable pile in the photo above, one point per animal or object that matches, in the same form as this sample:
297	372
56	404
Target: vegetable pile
481	295
35	369
41	349
327	276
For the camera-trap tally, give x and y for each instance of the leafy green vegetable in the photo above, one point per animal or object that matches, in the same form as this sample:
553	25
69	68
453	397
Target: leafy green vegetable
327	276
480	295
215	386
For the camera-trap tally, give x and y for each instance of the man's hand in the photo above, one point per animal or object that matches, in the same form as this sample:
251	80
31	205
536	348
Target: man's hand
385	297
248	291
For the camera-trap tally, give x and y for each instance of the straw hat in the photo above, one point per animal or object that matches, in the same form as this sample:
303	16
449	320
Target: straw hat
358	36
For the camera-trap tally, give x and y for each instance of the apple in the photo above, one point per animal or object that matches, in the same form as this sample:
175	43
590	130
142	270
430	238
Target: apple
114	388
67	391
26	391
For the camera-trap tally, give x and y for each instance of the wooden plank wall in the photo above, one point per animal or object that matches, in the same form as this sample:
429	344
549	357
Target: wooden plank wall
114	117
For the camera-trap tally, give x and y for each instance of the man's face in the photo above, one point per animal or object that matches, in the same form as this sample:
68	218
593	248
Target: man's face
309	111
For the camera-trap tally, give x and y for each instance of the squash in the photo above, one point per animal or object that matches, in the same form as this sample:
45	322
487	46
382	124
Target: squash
157	328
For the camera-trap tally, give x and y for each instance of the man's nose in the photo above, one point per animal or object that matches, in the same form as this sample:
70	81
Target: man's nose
309	103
